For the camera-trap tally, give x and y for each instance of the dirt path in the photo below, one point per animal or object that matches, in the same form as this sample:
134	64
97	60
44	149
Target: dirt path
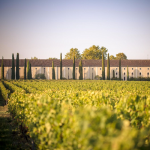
10	136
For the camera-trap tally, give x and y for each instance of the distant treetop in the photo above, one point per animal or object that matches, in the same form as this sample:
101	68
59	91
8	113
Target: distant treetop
94	52
34	58
73	52
52	58
118	56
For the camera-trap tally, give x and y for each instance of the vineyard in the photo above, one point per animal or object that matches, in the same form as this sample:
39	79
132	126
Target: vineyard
84	115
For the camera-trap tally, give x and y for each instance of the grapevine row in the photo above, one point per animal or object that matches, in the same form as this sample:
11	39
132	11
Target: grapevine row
87	115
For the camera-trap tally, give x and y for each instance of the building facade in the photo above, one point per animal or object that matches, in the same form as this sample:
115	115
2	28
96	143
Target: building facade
91	68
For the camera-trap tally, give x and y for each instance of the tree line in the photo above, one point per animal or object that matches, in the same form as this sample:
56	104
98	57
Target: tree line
29	73
93	52
15	74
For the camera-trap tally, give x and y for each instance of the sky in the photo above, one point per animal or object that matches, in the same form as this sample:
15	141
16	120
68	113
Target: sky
46	28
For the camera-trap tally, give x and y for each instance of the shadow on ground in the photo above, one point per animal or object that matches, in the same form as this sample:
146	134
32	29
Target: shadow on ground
10	136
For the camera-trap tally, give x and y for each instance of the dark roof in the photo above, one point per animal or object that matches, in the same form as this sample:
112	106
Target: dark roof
85	63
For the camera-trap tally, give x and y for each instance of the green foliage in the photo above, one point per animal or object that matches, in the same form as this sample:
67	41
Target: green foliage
113	73
40	76
139	79
119	69
28	70
103	67
13	68
53	71
52	58
17	66
108	68
80	70
74	52
115	78
97	77
74	67
112	57
4	91
118	56
2	69
34	58
25	86
109	115
94	52
25	68
121	56
13	88
60	66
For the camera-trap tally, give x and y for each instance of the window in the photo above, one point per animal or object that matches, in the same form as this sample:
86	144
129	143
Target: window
116	68
147	68
132	68
140	68
140	73
36	70
124	78
116	73
124	68
124	73
132	73
100	68
148	74
84	68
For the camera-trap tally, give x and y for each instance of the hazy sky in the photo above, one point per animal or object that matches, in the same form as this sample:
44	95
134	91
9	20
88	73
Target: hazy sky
46	28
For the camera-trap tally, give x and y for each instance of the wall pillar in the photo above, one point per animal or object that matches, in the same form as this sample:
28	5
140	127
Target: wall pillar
96	71
64	72
56	73
7	73
89	73
48	73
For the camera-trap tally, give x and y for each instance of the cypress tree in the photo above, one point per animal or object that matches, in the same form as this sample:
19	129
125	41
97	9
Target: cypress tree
113	74
53	71
74	67
61	66
103	67
17	66
127	74
119	69
80	70
13	68
108	68
28	70
2	69
25	68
